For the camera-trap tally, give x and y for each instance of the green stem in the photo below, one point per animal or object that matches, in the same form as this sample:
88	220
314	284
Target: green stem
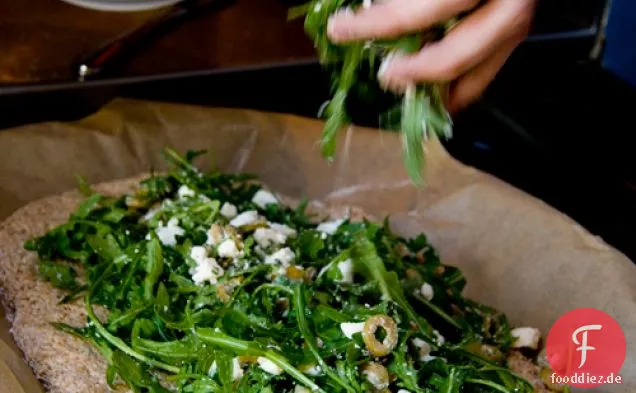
121	345
437	311
282	362
299	305
243	284
488	383
249	348
273	286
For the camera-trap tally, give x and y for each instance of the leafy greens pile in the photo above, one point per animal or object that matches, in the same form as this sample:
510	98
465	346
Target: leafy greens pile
418	113
241	293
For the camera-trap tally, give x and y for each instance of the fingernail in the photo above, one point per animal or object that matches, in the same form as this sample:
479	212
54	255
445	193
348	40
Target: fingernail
386	62
335	28
387	78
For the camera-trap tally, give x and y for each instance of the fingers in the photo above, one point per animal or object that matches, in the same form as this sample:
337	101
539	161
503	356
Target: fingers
475	39
470	86
392	18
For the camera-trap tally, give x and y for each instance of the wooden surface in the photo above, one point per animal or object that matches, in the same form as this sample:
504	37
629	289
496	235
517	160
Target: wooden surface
41	38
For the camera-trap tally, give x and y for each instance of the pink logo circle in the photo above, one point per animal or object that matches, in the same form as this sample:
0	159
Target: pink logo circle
586	348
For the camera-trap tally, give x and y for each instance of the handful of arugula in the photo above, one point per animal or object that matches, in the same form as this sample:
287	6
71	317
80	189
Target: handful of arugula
211	284
418	113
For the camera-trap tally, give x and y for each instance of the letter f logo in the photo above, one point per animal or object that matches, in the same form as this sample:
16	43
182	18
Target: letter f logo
583	345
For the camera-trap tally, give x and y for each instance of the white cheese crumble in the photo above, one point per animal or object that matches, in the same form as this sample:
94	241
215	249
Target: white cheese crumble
152	212
403	391
212	370
351	328
228	210
284	229
263	198
185	192
313	371
330	227
527	337
284	256
440	339
376	379
268	366
423	349
421	345
245	218
266	236
427	291
228	249
216	234
206	269
168	234
237	371
346	269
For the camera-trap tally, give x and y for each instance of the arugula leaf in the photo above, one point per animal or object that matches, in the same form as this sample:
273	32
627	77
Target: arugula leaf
299	303
154	267
60	276
310	244
87	206
368	263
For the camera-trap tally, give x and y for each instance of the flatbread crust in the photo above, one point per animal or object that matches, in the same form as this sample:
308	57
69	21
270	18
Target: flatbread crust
64	363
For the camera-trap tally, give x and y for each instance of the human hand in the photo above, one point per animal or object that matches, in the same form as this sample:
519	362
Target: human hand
468	57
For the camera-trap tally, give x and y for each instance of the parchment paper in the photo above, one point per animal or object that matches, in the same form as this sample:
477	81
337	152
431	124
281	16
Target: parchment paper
517	253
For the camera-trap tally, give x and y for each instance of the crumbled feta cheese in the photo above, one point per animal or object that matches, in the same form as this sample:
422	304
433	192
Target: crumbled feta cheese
440	339
320	342
212	370
245	218
427	291
423	349
268	366
313	371
237	371
185	192
527	337
216	234
421	345
266	236
376	379
263	198
346	269
351	328
284	229
228	249
330	227
168	234
206	269
152	212
403	391
284	256
427	358
228	210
